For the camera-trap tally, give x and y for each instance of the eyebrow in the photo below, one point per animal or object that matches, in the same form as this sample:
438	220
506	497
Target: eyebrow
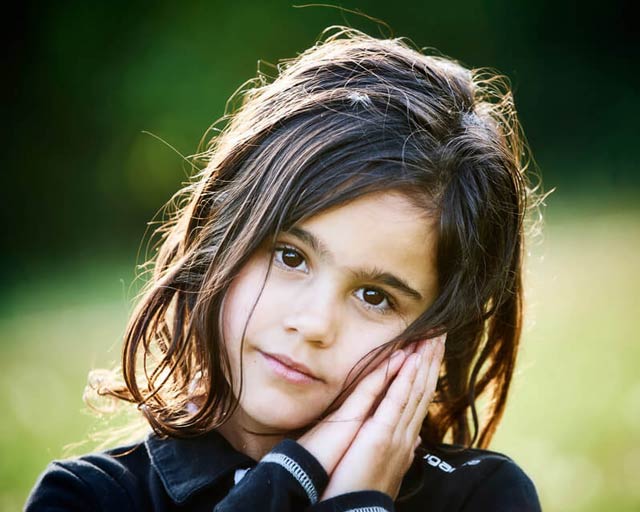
364	274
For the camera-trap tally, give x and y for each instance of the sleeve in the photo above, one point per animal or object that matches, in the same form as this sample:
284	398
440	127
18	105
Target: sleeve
360	501
507	489
287	479
79	485
290	479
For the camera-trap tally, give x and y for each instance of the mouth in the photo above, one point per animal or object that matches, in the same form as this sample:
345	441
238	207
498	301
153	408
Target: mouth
288	369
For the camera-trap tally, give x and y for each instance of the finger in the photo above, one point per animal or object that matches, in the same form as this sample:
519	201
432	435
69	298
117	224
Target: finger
395	400
436	363
420	396
358	404
432	374
340	427
415	394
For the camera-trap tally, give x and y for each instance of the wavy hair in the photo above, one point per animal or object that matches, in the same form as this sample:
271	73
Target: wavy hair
350	116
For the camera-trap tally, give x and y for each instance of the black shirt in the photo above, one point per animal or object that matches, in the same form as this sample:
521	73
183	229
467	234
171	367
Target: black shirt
200	474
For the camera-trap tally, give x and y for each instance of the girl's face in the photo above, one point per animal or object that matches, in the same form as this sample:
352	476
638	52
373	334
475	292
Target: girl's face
341	284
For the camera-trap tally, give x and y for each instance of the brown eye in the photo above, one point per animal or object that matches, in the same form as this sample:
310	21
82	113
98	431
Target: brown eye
291	258
376	300
373	297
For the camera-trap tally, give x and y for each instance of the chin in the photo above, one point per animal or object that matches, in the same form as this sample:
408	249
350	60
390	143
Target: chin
280	416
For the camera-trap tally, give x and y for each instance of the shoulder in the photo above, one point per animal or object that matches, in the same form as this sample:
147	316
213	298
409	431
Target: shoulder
152	474
454	478
99	481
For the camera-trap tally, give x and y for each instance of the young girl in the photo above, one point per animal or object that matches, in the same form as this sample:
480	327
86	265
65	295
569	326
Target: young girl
289	351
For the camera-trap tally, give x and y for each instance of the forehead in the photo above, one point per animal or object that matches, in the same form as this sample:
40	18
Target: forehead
383	229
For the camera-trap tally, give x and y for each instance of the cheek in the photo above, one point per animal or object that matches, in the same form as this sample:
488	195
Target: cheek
237	305
360	339
234	315
367	333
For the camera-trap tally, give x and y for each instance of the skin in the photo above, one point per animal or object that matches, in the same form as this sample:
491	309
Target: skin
374	452
323	307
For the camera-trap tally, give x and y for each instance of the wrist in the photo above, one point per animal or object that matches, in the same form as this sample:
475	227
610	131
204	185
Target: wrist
301	465
357	500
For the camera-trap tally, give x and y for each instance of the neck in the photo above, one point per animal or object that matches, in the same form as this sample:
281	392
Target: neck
255	446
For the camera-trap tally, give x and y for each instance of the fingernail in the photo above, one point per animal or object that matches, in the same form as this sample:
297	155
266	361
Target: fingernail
418	360
443	338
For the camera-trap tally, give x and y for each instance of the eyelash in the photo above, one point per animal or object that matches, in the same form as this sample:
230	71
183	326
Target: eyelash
278	250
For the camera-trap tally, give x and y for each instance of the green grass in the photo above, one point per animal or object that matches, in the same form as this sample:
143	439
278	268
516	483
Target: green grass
53	330
573	421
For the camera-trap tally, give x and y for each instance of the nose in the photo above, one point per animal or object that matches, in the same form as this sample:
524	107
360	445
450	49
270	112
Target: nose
313	315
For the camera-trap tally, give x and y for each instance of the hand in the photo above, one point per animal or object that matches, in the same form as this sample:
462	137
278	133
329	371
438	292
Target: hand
384	447
329	440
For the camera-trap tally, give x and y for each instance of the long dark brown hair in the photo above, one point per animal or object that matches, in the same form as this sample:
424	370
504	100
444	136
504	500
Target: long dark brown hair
350	116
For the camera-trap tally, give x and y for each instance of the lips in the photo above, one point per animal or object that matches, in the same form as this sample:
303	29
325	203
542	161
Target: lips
288	368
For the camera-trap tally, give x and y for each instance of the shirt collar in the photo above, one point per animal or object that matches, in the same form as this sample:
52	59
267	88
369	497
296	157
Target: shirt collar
187	465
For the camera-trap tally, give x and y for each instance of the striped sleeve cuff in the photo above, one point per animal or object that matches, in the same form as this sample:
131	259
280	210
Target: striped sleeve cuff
360	501
301	465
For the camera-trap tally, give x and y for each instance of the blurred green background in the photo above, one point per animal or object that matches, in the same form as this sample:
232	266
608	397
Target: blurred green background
83	80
